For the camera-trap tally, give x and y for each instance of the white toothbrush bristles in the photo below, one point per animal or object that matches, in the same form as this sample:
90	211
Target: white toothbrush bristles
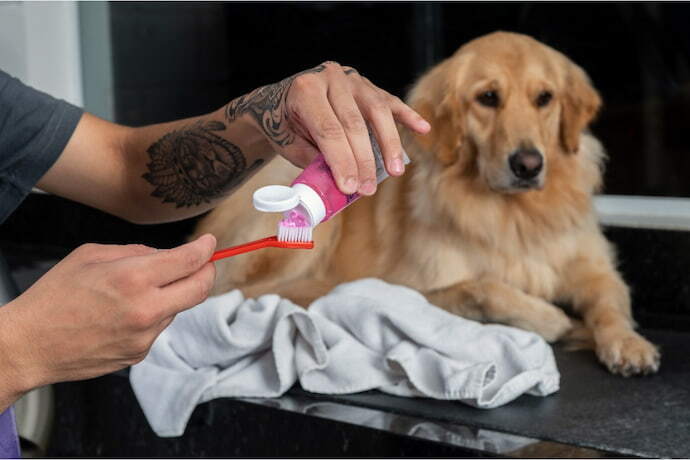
294	234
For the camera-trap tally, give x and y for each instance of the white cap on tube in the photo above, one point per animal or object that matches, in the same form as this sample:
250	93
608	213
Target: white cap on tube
275	198
280	198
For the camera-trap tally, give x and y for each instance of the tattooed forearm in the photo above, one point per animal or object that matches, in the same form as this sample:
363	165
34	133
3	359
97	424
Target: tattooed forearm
267	106
193	165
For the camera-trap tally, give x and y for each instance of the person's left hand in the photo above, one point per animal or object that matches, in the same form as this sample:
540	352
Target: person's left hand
326	109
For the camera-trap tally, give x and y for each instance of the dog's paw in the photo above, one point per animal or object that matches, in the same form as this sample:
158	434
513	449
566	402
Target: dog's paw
546	320
627	353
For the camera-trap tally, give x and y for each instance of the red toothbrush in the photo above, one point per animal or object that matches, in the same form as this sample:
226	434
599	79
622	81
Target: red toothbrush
270	242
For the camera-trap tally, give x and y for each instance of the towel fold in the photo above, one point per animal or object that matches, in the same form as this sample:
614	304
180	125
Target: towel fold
363	335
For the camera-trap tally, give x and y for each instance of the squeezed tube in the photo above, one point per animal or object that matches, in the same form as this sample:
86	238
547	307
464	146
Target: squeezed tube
319	178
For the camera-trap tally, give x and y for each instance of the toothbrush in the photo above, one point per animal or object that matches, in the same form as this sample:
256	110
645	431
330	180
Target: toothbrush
295	228
298	221
270	242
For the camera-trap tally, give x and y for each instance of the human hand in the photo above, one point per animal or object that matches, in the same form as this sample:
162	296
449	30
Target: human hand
326	109
99	310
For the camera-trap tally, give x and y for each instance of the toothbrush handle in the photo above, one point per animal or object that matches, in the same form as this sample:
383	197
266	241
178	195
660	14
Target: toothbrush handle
242	248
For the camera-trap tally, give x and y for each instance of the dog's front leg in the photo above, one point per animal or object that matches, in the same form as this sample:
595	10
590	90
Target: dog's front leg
491	300
598	293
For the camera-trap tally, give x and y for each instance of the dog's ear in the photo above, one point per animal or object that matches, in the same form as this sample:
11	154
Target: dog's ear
435	98
580	104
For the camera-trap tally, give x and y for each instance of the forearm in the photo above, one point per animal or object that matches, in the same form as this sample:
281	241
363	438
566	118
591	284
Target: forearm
183	168
160	172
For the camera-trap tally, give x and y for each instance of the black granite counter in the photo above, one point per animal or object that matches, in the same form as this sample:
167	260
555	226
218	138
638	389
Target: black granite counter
595	414
641	416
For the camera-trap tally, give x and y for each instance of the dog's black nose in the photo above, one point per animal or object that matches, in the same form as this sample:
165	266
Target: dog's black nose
526	163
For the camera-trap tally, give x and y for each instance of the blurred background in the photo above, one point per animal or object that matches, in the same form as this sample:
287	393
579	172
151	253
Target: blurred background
140	62
177	60
146	62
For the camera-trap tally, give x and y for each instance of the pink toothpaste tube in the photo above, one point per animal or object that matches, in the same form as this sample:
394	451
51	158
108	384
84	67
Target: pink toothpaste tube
313	197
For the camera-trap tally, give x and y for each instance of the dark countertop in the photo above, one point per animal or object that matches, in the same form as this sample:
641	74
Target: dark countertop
594	414
642	416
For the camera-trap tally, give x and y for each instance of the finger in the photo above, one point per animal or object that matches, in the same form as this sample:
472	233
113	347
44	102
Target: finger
409	117
382	123
325	129
187	292
167	266
351	119
95	253
403	112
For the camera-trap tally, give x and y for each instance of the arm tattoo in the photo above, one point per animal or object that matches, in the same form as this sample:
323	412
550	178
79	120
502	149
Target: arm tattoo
193	165
267	106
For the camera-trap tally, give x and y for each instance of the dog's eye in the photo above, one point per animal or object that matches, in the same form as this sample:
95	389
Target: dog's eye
544	98
489	99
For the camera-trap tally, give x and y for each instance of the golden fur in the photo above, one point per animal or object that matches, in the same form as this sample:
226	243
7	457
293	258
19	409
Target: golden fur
455	226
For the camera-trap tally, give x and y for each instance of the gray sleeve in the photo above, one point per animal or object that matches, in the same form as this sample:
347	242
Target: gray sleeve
34	130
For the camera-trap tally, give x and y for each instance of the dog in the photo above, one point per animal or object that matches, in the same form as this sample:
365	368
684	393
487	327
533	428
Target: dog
493	220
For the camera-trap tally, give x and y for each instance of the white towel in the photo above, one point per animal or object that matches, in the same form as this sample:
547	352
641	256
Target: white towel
363	335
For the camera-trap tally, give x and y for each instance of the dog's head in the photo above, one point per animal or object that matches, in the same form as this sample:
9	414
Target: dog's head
504	107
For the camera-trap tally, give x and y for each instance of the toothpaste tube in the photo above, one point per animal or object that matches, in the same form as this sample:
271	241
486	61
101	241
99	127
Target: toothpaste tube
313	196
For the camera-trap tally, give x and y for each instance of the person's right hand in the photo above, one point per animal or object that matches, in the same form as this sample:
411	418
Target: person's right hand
99	310
326	110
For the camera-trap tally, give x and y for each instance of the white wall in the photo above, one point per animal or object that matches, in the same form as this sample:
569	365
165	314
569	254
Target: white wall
39	44
96	59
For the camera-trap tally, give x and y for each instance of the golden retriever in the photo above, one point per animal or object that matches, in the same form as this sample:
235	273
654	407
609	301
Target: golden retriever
493	220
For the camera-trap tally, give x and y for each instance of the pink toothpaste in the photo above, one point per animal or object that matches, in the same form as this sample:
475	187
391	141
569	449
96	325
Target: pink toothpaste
313	196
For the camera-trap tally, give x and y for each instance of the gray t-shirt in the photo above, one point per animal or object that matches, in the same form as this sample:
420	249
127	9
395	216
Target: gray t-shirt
34	130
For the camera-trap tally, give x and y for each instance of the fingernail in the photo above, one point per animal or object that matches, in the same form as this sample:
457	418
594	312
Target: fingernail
351	185
368	187
397	167
424	124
